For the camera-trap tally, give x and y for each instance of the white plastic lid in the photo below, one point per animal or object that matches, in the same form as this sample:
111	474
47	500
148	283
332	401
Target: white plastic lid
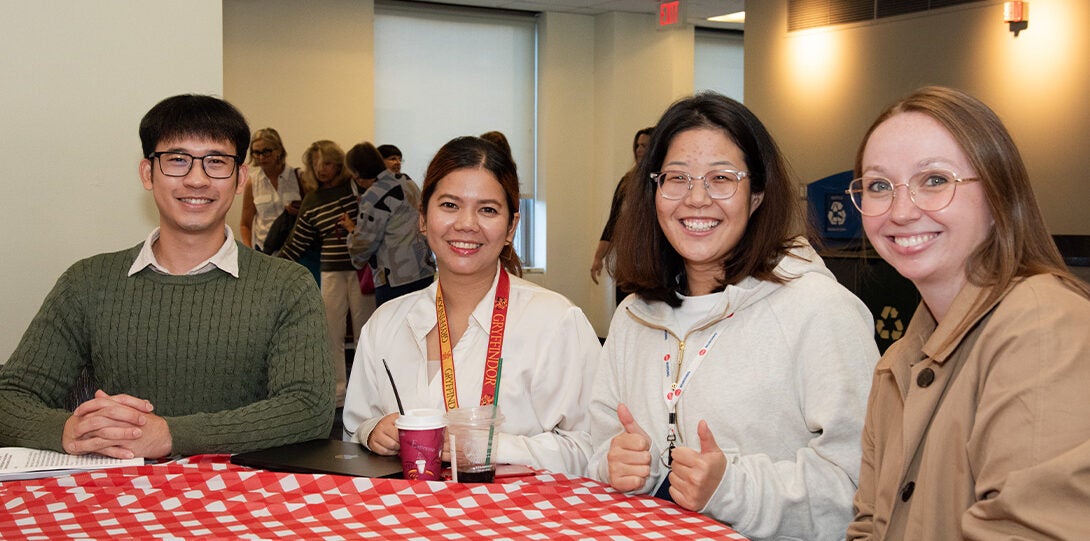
421	419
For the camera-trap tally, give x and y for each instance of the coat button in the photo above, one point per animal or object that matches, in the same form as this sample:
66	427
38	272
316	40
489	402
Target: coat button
926	377
906	492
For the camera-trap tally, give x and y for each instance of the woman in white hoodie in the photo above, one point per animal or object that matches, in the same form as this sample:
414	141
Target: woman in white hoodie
735	380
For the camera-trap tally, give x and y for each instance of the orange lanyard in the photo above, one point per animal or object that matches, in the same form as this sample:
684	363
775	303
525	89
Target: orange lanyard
495	344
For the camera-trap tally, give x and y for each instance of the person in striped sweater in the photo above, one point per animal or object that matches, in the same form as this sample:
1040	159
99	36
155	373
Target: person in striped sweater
319	221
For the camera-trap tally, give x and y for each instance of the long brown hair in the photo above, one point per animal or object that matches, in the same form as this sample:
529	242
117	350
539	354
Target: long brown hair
1019	244
647	264
473	153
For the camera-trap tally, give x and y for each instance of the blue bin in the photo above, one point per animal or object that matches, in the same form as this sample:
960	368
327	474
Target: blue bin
831	210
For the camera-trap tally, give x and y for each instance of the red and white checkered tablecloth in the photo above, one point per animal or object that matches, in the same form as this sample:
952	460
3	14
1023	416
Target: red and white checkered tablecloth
207	497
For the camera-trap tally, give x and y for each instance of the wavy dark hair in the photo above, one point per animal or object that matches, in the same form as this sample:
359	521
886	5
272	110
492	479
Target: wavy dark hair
647	264
477	153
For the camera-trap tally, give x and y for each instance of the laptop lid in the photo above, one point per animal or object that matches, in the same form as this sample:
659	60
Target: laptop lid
322	456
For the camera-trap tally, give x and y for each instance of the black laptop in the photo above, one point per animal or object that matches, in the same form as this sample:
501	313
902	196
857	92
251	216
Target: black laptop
322	456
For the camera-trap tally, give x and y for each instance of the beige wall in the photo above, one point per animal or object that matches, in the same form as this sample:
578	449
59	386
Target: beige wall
77	78
818	90
303	67
602	79
566	154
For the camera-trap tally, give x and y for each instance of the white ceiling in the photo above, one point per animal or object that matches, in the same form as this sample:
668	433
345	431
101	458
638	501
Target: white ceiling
694	11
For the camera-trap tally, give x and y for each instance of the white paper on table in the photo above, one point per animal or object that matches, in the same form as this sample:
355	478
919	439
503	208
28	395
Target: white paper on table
27	463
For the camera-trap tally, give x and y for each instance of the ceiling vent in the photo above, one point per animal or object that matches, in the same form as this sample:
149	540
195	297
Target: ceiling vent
814	13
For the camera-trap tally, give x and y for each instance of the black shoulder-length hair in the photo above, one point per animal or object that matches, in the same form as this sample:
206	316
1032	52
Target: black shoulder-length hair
647	264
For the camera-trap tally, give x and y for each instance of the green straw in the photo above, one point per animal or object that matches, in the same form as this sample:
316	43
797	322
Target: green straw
495	407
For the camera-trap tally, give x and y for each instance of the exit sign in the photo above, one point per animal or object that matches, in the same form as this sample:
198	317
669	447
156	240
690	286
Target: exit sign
670	13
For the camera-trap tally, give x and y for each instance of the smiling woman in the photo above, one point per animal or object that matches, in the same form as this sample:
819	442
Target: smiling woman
478	313
704	225
989	380
471	212
274	189
766	438
928	232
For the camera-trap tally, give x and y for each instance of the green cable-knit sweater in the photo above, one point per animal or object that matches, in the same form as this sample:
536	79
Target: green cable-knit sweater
231	364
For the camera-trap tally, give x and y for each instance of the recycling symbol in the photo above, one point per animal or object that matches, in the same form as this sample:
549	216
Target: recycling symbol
837	214
889	318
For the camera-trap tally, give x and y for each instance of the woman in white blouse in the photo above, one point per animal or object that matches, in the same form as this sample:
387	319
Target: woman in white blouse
273	188
547	346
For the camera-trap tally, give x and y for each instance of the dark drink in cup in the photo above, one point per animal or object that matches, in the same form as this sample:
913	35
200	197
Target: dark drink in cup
478	476
472	432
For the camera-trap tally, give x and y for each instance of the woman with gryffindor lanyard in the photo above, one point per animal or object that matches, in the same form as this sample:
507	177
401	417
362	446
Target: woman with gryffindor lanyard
734	379
443	343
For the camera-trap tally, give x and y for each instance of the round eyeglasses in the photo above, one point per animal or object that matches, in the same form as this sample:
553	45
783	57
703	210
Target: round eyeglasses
720	184
930	191
179	164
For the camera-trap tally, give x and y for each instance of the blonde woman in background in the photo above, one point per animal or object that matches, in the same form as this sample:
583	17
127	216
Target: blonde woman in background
271	202
320	222
274	188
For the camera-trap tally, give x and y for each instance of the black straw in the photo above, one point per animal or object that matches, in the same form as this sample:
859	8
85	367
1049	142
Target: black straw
397	397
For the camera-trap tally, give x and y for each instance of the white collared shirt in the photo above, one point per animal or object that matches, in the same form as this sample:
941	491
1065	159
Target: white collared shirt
269	202
550	352
225	259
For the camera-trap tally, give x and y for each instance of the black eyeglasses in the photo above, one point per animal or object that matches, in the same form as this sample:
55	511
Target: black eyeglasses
263	151
179	164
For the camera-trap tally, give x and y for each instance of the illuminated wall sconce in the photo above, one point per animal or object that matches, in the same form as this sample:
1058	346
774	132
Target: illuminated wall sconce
1016	14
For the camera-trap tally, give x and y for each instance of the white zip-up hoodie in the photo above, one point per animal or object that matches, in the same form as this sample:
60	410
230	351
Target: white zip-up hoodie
783	389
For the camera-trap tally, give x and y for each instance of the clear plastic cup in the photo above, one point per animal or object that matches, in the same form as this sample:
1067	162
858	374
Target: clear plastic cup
472	432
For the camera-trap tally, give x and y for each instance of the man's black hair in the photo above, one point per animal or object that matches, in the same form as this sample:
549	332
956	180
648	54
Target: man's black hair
194	115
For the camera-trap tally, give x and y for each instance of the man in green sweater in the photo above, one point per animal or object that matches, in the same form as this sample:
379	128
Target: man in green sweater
195	343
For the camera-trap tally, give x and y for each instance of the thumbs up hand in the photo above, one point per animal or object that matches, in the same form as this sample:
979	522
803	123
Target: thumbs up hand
696	474
629	455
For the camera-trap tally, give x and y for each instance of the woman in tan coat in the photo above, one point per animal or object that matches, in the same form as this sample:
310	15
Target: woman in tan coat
978	425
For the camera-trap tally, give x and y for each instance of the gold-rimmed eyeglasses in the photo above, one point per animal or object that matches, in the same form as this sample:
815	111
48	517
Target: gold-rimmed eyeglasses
930	191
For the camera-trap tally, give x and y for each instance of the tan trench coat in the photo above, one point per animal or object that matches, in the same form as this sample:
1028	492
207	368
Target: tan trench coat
989	436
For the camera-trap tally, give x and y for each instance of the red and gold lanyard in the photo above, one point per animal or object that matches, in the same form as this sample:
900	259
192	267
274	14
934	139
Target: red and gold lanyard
495	344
